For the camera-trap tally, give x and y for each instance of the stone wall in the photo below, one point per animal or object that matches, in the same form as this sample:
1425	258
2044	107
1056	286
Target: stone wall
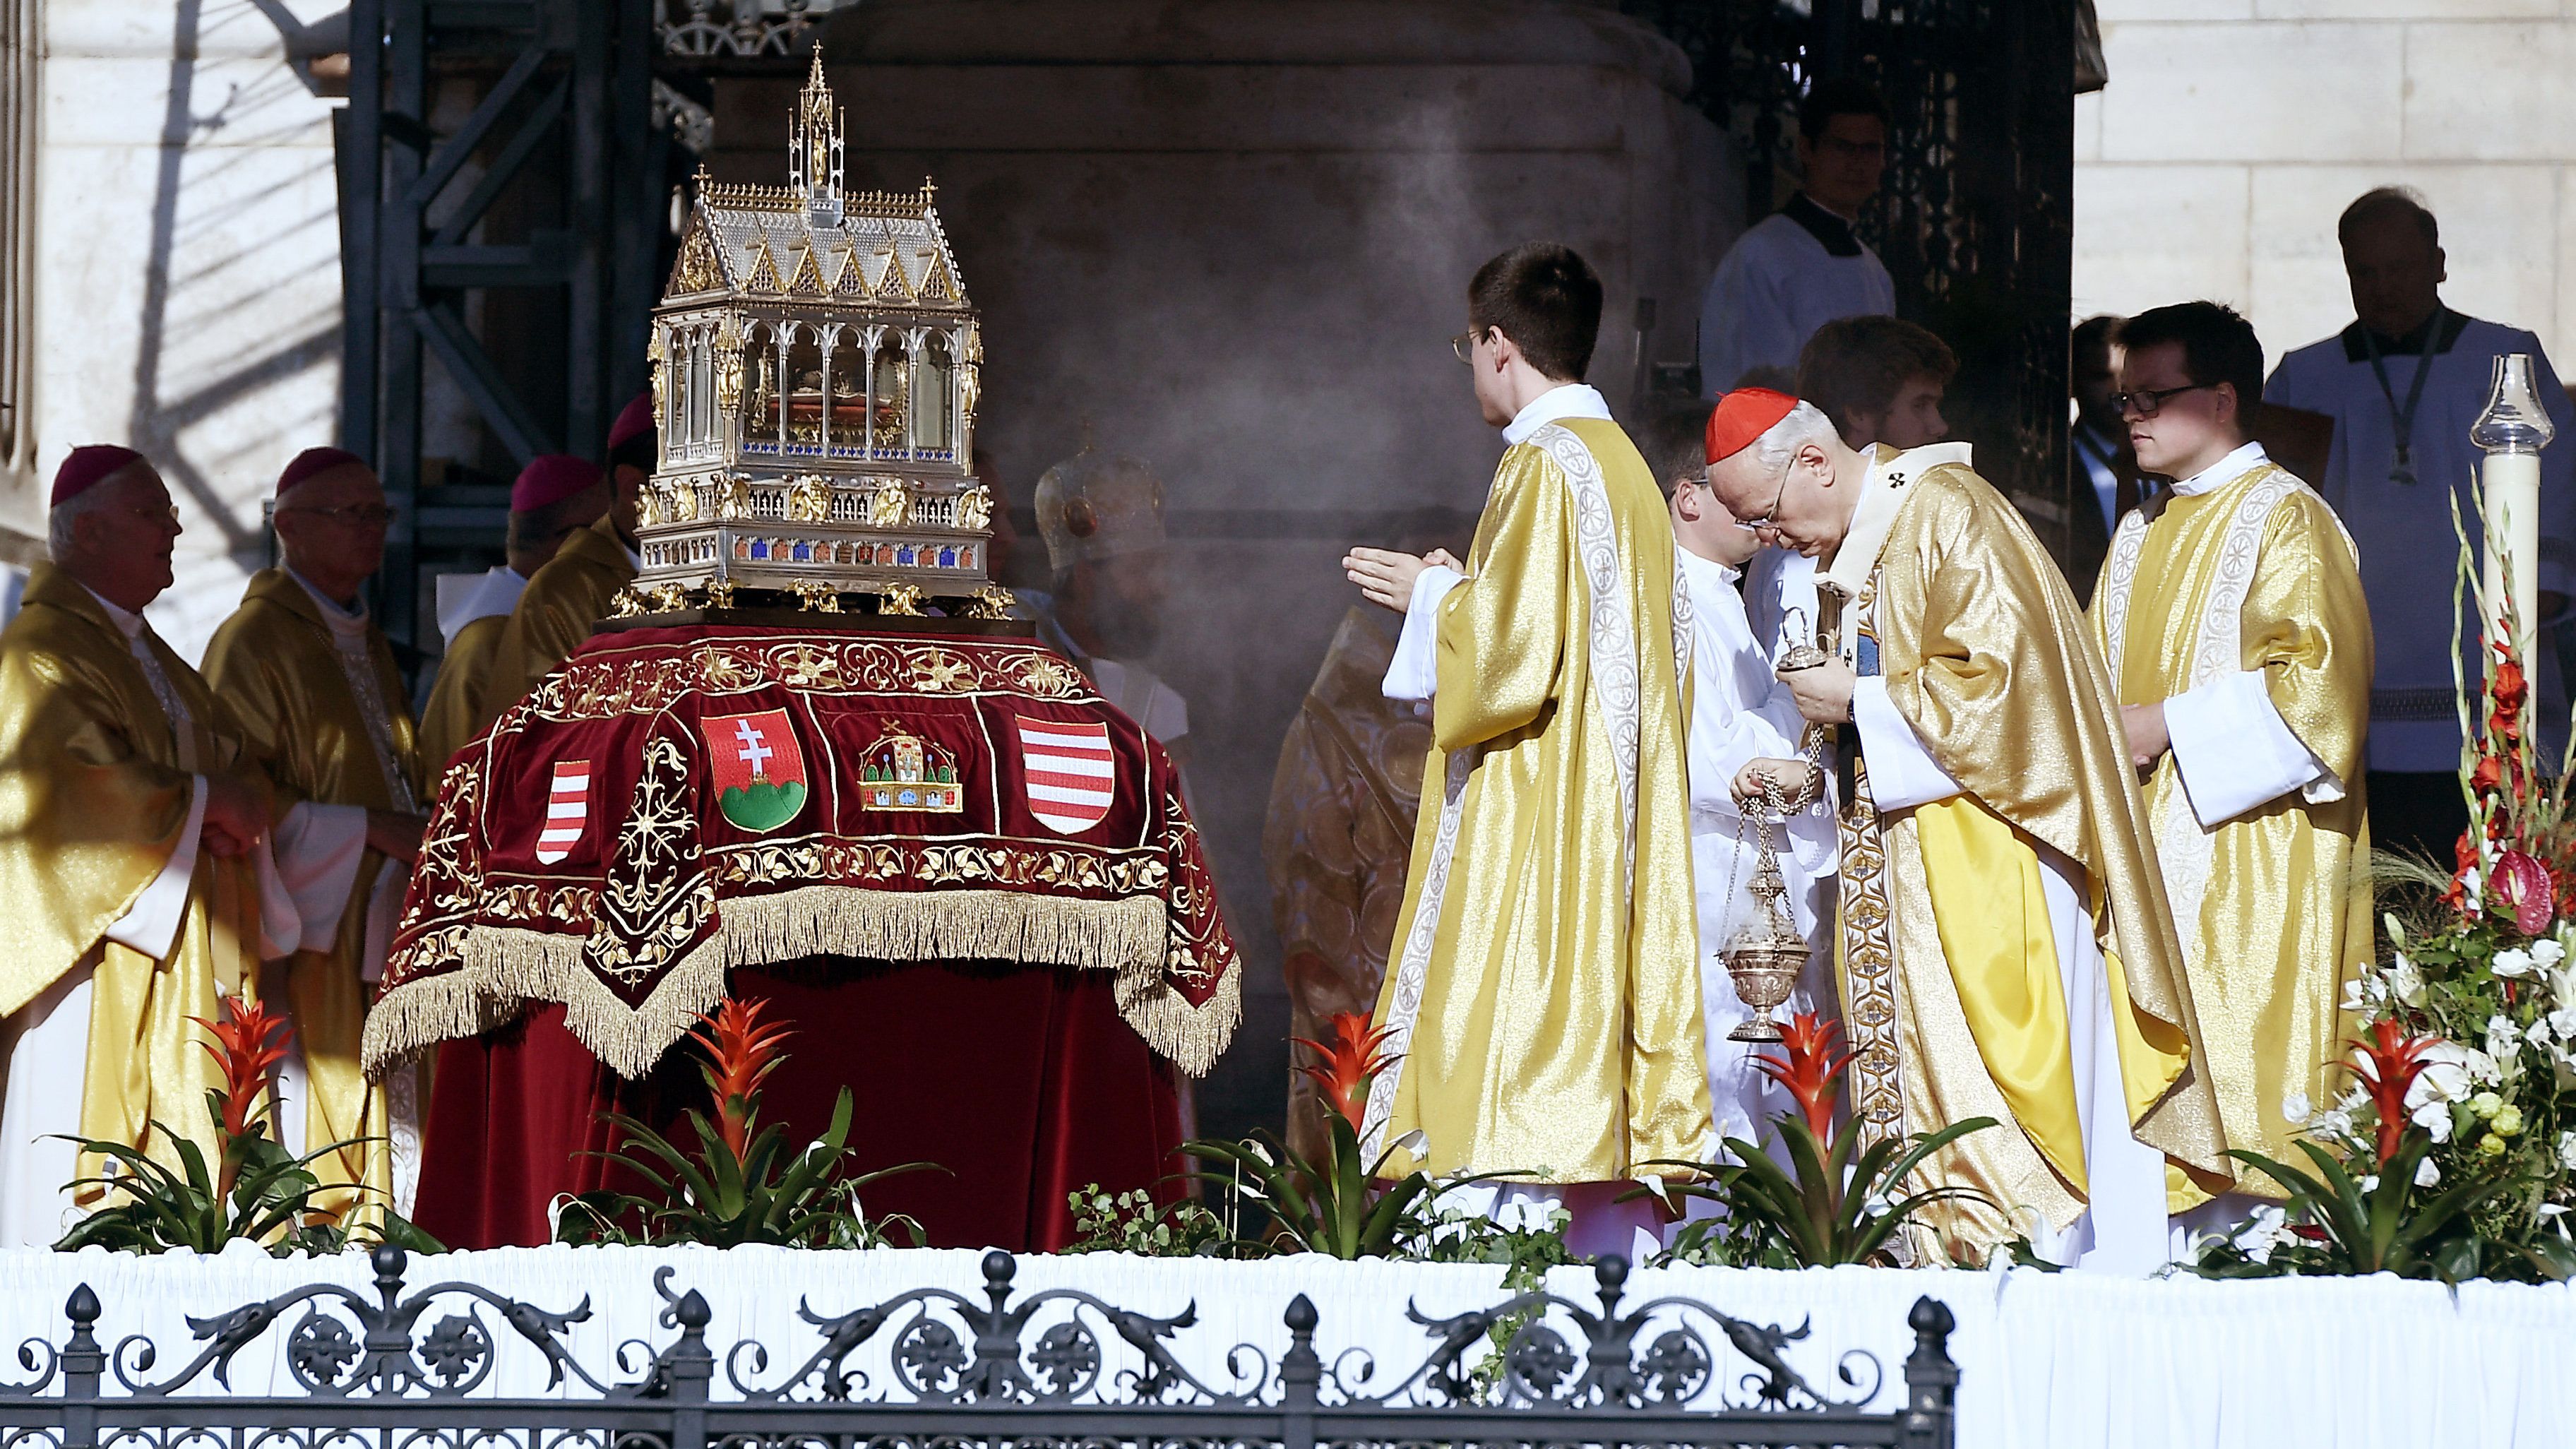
1236	238
2235	131
187	300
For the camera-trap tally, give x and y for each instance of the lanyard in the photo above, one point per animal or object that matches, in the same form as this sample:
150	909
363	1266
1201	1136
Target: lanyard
2402	420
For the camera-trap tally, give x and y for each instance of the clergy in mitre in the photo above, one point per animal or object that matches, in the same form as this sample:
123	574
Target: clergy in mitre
2006	950
2231	613
140	877
1544	993
303	667
551	499
1741	717
566	599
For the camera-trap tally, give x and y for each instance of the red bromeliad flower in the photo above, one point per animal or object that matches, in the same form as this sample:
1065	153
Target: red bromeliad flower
741	1049
1810	1071
1350	1065
2388	1064
2523	884
248	1045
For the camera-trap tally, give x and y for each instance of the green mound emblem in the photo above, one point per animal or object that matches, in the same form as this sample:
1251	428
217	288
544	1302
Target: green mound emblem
762	806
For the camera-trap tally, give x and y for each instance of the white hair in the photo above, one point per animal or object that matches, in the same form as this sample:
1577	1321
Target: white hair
1779	443
60	539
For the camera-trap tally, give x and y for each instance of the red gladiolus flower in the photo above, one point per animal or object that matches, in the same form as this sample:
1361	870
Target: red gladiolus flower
2488	774
2508	690
741	1049
2389	1063
248	1046
1810	1071
1351	1064
2523	883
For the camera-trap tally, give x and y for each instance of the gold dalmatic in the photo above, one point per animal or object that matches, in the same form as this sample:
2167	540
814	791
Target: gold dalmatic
1951	977
455	712
1544	991
2273	906
327	722
94	796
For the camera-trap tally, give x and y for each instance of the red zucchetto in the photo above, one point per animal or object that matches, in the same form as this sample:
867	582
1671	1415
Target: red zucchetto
633	421
84	468
1742	416
551	478
312	463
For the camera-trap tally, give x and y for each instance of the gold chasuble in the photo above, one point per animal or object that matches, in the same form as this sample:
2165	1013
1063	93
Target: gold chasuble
562	605
1544	989
2252	584
95	793
455	712
1953	989
323	708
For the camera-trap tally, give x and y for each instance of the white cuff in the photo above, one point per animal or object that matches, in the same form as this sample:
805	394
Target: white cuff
2235	753
309	865
1414	673
1902	773
151	924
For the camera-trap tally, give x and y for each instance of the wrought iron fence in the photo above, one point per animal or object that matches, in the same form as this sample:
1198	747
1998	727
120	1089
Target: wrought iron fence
406	1369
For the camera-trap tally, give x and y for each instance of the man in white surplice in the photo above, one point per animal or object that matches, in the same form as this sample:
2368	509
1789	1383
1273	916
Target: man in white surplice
141	878
1740	716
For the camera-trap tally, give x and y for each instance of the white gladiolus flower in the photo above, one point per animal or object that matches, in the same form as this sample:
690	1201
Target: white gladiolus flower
2435	1118
2334	1123
2426	1174
2268	1229
2503	1036
2548	952
2405	983
2296	1108
2562	1023
2567	1150
2473	890
2513	961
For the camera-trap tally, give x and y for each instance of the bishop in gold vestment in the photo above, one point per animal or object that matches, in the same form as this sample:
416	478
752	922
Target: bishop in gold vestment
122	777
2006	950
1544	985
553	497
2232	615
314	682
561	607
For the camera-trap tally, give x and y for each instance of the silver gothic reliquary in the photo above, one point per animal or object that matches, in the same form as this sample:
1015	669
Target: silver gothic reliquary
815	371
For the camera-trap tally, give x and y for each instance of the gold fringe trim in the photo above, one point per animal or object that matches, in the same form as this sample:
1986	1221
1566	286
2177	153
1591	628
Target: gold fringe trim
503	968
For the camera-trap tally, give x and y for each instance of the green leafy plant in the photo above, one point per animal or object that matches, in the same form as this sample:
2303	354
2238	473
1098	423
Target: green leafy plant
1841	1205
745	1183
1137	1222
254	1189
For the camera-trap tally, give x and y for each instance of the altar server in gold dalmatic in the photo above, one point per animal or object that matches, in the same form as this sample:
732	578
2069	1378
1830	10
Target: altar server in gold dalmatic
2231	612
566	599
135	845
1544	988
2005	948
552	498
304	668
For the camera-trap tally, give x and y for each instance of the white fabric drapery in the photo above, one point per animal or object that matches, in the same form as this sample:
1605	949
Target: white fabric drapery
2045	1359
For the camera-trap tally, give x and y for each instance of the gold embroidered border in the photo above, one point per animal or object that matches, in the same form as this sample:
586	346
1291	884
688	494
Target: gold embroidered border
502	968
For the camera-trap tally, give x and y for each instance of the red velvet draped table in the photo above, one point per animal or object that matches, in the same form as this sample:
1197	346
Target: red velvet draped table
968	882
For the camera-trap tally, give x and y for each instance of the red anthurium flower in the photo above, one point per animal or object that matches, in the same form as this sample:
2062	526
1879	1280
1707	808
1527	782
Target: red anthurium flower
248	1045
1350	1065
1810	1070
2523	883
741	1049
2389	1062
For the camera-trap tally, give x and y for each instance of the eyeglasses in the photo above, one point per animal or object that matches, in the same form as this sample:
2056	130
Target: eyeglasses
1464	344
1771	515
354	515
2150	401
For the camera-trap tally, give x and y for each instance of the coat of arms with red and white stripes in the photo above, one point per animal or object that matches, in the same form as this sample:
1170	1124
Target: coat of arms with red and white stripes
1071	772
567	811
